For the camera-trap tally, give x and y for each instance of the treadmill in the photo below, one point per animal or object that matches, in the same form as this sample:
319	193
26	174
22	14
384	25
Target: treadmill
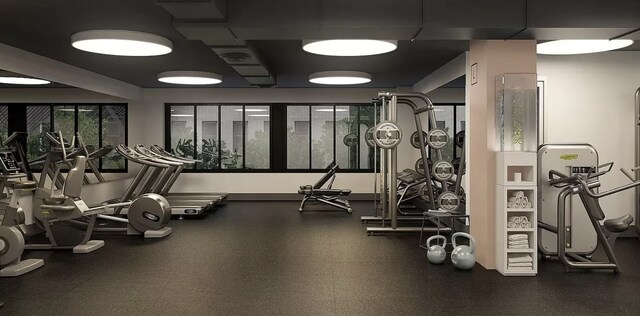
171	175
154	182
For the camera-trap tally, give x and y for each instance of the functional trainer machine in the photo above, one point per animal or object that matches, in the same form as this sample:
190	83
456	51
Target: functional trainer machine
328	195
438	191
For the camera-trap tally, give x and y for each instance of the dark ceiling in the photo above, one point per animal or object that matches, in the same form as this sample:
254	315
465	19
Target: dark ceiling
274	30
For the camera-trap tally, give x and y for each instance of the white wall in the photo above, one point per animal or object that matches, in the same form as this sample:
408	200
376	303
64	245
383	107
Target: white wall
146	125
153	124
590	98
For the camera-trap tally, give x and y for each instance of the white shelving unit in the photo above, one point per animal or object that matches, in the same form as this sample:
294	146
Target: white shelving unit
516	172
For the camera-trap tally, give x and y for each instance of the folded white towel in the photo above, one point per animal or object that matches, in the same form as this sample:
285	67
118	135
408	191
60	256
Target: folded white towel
520	268
518	237
519	244
513	225
520	258
518	247
511	205
519	193
529	205
515	219
521	264
526	225
524	219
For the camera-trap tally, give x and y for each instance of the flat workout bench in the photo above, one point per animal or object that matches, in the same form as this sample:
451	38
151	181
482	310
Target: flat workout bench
327	195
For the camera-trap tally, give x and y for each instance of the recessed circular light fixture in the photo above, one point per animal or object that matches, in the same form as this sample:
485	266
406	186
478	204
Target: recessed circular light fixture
22	80
340	77
189	77
349	47
573	47
121	43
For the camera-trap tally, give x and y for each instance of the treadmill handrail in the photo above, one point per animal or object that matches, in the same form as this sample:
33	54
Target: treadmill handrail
159	150
141	149
129	154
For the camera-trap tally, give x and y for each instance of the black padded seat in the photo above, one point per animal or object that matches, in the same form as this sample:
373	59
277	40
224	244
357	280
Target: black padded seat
618	225
54	200
26	185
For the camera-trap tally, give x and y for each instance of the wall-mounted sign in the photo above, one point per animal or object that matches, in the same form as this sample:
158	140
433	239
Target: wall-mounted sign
474	73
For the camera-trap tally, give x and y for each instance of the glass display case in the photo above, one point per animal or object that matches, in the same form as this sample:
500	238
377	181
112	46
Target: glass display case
516	112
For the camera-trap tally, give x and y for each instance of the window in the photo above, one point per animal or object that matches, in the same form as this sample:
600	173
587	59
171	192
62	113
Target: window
225	137
320	134
99	125
4	123
450	118
38	122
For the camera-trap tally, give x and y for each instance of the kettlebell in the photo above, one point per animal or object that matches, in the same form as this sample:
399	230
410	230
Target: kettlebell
436	253
463	257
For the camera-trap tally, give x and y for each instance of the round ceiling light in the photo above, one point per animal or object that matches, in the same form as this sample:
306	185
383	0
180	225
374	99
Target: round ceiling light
121	43
349	47
573	47
340	77
189	77
23	80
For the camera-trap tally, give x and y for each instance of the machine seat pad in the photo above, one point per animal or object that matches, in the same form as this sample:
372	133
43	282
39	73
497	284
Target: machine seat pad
58	208
305	187
618	225
332	192
25	185
55	200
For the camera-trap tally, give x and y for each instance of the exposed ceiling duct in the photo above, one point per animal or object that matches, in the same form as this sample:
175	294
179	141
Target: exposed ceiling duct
206	21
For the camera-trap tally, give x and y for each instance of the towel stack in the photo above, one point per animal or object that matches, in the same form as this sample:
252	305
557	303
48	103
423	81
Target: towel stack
520	262
518	222
519	200
518	241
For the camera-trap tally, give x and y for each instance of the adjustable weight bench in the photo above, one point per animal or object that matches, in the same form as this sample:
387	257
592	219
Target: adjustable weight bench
328	195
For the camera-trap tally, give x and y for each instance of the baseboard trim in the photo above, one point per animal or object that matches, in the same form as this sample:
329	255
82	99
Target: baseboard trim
288	197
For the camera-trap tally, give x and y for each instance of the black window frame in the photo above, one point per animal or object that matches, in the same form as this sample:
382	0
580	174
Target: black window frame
323	169
244	169
455	105
18	123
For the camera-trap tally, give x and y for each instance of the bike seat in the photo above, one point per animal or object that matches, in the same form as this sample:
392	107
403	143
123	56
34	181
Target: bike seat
55	200
25	185
619	224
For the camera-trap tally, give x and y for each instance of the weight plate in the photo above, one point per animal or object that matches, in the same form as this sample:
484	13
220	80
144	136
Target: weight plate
368	137
442	170
12	243
459	139
387	135
350	140
419	166
437	138
415	141
448	201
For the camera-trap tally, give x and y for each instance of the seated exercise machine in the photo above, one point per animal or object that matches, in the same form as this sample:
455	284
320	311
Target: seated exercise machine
12	241
53	210
581	182
328	195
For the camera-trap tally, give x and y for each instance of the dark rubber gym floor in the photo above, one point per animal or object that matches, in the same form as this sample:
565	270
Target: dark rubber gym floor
252	258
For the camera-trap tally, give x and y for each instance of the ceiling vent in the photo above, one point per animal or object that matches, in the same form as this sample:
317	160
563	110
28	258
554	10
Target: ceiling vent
206	21
236	57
